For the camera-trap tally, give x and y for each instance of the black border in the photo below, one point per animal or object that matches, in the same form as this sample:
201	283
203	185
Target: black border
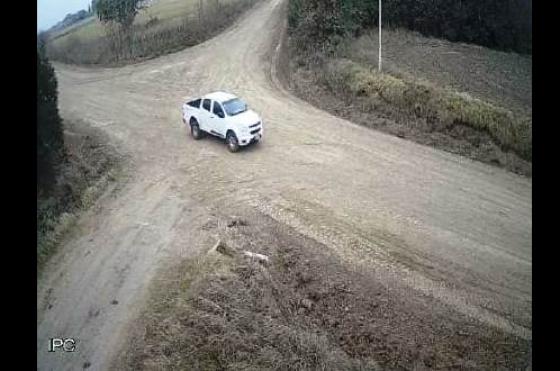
545	137
19	183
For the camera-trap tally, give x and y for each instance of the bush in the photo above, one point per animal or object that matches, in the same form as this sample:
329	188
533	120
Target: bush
322	21
50	142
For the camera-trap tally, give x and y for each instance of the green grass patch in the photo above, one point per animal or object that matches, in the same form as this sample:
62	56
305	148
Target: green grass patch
442	107
164	10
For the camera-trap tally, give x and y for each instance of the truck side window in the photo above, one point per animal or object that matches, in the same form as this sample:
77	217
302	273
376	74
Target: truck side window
206	104
195	103
218	111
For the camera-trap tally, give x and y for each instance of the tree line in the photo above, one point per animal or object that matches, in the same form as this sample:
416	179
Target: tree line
50	139
498	24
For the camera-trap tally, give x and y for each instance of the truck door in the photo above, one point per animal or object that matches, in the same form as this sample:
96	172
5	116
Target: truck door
205	113
218	119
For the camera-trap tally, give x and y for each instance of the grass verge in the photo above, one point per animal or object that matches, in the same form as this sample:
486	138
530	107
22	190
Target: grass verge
225	313
89	168
440	107
459	98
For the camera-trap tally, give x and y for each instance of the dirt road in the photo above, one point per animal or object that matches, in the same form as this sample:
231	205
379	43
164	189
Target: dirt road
423	220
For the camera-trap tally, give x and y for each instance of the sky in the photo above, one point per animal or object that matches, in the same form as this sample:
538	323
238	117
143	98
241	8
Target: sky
50	12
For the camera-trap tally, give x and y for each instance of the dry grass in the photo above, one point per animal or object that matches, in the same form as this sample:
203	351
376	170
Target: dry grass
229	314
305	310
166	11
167	26
82	28
443	108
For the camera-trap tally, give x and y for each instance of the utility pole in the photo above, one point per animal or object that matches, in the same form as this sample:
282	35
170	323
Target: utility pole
379	67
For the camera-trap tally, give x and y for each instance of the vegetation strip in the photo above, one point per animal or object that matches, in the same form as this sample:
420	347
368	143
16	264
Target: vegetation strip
432	103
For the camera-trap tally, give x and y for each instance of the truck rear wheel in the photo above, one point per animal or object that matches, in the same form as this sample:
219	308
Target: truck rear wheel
195	130
232	142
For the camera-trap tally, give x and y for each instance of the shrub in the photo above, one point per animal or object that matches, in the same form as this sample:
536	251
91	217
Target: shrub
50	142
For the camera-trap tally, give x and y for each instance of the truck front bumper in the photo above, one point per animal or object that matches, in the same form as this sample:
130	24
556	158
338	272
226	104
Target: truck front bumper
245	140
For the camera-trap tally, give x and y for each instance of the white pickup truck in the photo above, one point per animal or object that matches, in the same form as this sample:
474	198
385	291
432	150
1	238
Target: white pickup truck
225	116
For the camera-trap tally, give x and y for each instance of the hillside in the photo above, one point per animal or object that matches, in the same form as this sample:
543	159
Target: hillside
160	27
68	21
463	98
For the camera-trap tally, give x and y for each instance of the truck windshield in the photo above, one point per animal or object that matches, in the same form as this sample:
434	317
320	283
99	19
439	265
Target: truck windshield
235	106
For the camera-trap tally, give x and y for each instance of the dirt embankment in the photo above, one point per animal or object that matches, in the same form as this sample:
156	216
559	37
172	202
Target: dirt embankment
460	98
302	309
89	167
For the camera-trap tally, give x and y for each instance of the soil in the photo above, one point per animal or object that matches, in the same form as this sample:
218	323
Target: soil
305	292
501	78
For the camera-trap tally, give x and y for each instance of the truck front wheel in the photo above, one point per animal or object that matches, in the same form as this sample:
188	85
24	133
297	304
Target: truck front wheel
231	141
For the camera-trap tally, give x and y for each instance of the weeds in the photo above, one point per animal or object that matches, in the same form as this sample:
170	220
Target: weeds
228	313
84	175
442	107
303	311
